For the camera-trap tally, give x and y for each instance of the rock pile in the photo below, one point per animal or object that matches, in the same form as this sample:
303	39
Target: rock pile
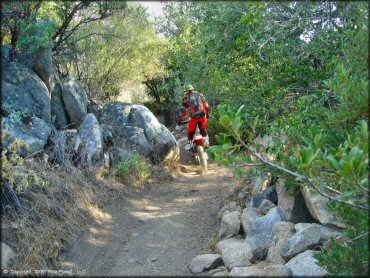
35	101
269	233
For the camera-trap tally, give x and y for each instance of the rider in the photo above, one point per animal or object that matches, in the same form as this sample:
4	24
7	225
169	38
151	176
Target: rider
198	108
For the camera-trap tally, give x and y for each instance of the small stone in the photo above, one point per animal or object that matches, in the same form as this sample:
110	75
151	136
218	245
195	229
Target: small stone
205	262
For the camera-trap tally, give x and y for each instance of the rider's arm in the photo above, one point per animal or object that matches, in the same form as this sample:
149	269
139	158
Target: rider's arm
186	105
205	105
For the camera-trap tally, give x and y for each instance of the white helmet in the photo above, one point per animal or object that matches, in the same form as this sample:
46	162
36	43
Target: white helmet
189	87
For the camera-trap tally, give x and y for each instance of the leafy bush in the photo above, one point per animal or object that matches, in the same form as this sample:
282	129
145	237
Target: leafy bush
134	168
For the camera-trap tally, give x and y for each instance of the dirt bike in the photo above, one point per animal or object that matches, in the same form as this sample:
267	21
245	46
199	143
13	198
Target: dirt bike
197	147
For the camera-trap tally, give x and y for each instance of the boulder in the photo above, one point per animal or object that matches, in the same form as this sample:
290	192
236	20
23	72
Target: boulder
230	225
247	218
5	53
310	237
32	130
282	231
93	107
140	130
278	270
245	195
75	100
44	67
222	273
229	207
107	134
265	206
91	137
317	206
218	271
260	234
235	252
305	265
7	255
250	271
205	262
57	107
293	206
263	271
117	115
23	91
215	208
269	194
117	154
258	184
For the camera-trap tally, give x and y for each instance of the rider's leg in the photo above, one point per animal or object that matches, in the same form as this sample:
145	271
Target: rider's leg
191	128
203	129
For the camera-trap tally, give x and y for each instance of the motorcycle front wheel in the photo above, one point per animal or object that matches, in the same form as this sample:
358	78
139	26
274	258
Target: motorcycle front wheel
202	158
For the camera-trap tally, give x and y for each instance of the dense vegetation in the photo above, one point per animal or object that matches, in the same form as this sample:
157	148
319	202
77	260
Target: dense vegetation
295	70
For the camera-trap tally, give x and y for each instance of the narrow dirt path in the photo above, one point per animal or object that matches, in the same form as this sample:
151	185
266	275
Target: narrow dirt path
158	231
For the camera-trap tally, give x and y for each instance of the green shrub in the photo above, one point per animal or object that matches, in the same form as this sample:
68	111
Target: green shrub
134	168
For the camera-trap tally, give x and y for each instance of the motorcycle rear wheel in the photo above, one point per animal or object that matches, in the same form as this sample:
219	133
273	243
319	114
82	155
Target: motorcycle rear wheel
202	158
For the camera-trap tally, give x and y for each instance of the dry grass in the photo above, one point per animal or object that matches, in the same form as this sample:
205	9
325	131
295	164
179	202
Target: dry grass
55	213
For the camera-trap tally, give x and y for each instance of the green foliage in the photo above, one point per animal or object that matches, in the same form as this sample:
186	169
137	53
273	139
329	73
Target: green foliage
135	168
27	26
115	56
300	80
12	165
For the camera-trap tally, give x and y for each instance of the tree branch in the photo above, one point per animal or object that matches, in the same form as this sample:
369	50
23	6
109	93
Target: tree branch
302	177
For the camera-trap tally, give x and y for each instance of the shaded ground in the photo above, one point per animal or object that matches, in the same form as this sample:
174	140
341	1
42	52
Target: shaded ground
156	231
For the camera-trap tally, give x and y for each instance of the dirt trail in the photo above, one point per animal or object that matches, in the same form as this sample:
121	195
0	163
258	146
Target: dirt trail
158	231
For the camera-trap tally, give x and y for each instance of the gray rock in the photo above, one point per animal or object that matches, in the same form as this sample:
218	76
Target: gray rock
216	206
216	270
258	184
107	134
235	252
94	107
117	154
5	53
269	194
301	226
117	115
32	130
91	137
222	273
205	262
247	218
250	271
136	141
293	206
230	225
44	67
22	90
140	130
317	206
7	255
278	270
75	100
263	271
305	265
244	195
282	231
229	207
265	206
260	234
311	237
57	107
